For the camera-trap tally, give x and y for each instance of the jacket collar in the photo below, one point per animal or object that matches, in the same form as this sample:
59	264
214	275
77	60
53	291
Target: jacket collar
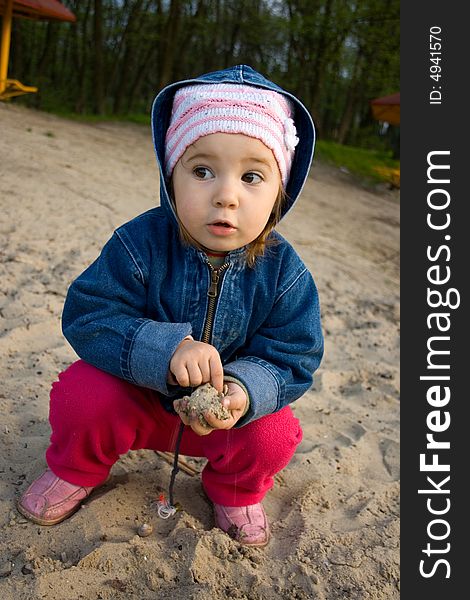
232	257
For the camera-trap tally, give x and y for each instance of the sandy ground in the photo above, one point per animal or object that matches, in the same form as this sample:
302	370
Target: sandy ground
64	186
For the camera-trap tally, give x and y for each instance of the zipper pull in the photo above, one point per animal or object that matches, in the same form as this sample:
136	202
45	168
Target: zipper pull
212	292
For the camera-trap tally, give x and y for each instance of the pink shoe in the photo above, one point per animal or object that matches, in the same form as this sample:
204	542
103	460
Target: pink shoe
245	524
50	500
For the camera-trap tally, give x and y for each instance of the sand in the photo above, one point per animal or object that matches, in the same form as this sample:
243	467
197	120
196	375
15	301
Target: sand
64	186
204	399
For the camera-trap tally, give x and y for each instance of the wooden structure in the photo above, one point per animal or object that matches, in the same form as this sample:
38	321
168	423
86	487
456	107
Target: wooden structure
387	109
46	10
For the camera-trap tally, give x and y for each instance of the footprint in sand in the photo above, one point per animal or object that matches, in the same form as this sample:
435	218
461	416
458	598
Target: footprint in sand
391	457
353	434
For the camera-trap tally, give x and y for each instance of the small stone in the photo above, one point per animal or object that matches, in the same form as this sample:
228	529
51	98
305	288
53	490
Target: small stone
6	568
27	569
256	559
144	530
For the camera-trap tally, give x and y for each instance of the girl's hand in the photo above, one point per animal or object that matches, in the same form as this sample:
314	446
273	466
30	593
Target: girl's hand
194	363
235	402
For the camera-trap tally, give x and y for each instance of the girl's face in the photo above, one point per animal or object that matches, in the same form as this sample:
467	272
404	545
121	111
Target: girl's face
225	186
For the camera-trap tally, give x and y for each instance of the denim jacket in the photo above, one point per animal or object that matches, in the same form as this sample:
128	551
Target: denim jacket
130	309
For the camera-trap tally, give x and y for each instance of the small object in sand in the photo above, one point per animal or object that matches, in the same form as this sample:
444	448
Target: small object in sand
164	509
27	569
205	399
144	530
6	568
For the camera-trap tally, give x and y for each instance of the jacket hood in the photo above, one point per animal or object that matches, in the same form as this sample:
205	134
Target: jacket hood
240	74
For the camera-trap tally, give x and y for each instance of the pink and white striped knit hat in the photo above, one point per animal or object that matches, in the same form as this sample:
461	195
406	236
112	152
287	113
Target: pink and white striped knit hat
200	110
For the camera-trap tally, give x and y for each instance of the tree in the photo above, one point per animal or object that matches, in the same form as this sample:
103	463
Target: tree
98	58
336	55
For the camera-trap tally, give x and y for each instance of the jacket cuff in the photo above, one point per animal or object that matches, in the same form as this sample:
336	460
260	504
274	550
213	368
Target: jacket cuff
148	351
262	385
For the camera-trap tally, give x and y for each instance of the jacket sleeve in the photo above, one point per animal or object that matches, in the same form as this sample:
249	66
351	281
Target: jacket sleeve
277	365
104	320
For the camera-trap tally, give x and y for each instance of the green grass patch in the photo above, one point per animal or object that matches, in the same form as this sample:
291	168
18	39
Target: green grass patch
140	119
360	162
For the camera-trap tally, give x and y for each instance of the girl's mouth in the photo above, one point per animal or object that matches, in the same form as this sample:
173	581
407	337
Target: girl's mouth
221	228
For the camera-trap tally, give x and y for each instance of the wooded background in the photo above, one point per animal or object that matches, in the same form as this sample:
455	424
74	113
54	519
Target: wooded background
335	55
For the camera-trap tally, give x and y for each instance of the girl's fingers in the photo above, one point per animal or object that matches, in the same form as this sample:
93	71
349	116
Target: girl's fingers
204	367
216	372
180	373
194	374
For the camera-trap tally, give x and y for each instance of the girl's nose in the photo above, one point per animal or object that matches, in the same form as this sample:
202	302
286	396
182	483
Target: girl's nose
225	197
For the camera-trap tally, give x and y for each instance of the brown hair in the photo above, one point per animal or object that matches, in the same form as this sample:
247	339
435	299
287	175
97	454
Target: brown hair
255	248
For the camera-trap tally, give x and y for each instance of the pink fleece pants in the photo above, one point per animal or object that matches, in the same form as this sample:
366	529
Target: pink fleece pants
95	417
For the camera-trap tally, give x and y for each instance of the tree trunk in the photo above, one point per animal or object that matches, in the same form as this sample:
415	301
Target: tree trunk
81	56
116	53
321	50
126	63
140	75
17	55
98	73
169	49
351	100
234	33
48	49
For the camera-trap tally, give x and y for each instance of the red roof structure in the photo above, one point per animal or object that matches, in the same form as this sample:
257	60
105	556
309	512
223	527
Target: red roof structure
45	10
387	109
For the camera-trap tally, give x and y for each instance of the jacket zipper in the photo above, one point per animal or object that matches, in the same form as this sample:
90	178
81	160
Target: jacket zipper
212	292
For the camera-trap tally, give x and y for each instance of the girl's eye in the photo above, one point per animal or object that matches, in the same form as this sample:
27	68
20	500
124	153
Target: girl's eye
252	178
202	173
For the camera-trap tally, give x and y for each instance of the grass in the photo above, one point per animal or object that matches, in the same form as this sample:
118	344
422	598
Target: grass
370	166
140	119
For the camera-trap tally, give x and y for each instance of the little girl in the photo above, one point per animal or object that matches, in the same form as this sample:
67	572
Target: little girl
201	289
